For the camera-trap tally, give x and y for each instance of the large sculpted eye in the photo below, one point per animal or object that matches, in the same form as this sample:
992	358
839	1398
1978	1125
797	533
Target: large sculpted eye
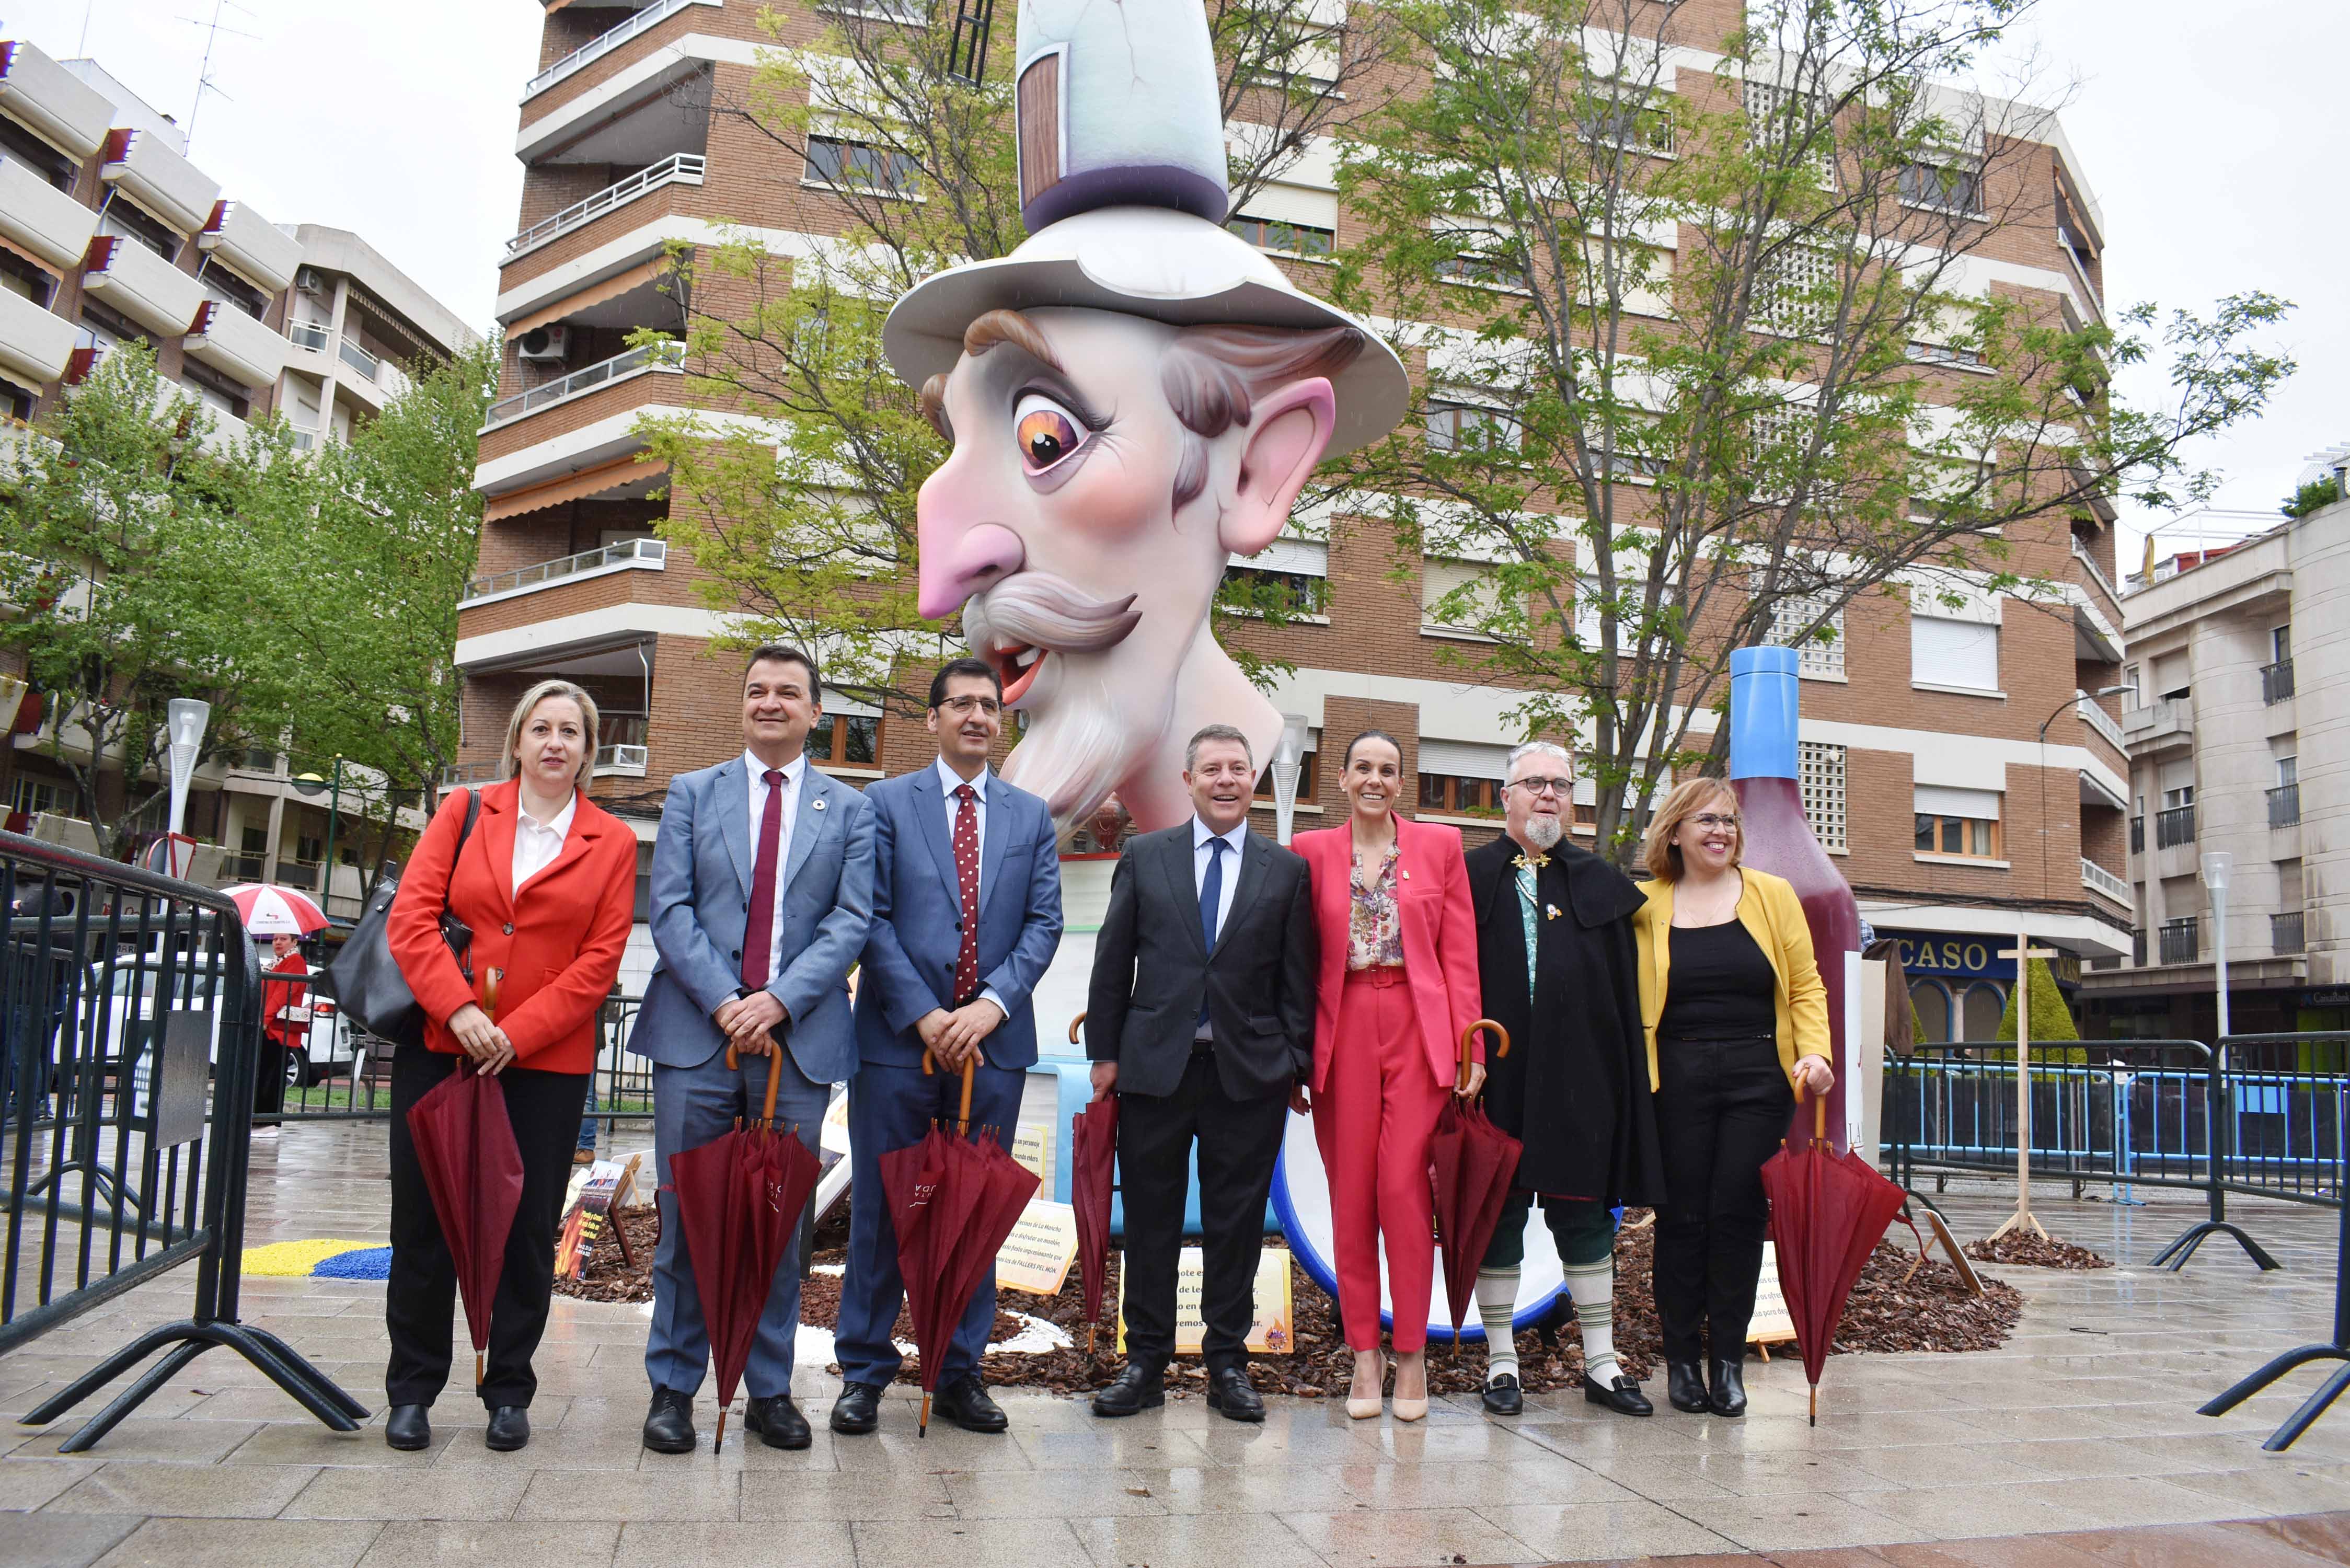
1046	432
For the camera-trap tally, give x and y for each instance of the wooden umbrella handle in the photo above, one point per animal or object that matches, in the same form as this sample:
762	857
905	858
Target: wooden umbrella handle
1467	1035
1074	1024
775	1080
962	1116
1819	1115
490	978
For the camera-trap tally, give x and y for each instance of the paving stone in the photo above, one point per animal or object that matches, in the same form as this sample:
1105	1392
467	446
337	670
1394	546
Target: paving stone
582	1544
1406	1538
183	1491
63	1540
243	1544
969	1544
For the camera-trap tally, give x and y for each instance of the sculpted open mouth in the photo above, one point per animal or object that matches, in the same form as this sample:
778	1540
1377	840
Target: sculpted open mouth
1015	625
1015	664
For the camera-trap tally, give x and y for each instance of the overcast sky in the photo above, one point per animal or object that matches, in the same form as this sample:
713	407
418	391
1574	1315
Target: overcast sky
2214	136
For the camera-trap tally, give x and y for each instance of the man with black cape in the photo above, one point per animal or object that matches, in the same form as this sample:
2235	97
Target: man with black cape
1555	957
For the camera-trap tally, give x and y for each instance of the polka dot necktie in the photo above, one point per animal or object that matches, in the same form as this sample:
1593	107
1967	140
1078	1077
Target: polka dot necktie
966	855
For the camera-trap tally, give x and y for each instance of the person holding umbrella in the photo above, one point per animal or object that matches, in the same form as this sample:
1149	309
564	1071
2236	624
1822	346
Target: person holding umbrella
281	1032
546	884
1398	988
1736	1019
1559	969
966	916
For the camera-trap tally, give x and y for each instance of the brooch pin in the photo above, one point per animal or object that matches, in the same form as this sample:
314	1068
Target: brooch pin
1407	876
1525	865
818	803
1550	911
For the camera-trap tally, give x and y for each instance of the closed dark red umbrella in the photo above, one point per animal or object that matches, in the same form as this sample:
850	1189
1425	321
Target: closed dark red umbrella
472	1167
1093	1157
953	1201
1828	1211
1473	1163
738	1197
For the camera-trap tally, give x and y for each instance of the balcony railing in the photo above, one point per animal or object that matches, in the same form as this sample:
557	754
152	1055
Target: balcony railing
603	43
678	168
2285	806
2097	879
2096	575
358	359
2180	941
458	775
2137	835
662	357
315	335
2276	681
2284	934
651	553
628	762
2173	826
2100	720
2169	717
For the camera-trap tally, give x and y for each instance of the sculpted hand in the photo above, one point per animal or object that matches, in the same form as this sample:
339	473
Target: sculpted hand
1814	1074
1469	1090
1104	1079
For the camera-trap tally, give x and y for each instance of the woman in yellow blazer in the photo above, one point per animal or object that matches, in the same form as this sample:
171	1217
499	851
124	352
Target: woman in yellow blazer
1736	1017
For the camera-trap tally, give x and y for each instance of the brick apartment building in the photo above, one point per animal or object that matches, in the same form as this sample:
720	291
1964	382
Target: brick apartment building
109	234
1955	770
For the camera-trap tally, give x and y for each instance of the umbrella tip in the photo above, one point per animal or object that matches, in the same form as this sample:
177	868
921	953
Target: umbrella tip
721	1441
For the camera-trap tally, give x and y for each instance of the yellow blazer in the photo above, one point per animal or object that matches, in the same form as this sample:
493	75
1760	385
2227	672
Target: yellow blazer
1773	916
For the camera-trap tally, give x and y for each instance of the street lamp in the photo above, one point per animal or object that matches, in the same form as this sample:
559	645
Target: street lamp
2216	865
184	719
1288	753
2072	701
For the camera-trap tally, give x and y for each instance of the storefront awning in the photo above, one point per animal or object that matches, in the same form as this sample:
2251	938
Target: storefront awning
571	487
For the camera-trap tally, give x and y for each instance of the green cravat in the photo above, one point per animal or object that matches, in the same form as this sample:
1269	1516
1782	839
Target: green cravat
1526	918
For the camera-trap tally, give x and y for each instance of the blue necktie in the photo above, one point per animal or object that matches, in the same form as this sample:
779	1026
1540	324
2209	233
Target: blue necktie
1211	895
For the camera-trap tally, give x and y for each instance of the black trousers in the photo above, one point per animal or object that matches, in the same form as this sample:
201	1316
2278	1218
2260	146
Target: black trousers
269	1082
420	1305
1722	1110
1239	1142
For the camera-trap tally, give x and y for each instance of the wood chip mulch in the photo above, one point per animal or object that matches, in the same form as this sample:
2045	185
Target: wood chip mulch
2035	1252
607	1278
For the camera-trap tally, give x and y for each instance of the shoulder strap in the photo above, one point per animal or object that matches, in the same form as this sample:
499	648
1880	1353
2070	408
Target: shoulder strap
472	810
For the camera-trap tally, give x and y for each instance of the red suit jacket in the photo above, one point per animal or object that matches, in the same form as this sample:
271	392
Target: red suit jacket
558	945
1439	937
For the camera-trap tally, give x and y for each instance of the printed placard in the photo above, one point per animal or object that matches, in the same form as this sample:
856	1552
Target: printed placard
1274	1332
1036	1256
1032	1146
1771	1323
834	1138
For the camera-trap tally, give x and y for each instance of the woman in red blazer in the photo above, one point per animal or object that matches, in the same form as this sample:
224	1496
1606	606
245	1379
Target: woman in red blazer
1398	987
546	882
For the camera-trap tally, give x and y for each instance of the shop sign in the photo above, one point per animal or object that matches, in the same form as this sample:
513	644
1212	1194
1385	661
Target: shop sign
1957	955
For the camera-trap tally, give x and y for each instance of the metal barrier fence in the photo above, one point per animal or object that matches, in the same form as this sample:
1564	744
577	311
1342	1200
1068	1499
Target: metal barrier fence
130	1030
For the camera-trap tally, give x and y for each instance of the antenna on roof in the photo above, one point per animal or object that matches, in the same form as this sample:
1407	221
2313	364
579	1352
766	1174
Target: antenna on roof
213	30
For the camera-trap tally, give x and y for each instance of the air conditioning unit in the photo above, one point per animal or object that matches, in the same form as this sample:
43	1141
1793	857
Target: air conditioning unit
544	343
308	281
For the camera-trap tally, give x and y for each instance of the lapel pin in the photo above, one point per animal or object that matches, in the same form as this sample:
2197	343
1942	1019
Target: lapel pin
818	803
1550	911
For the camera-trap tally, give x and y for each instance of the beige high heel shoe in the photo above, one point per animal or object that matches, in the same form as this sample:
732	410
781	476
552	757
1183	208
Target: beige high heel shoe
1411	1409
1359	1408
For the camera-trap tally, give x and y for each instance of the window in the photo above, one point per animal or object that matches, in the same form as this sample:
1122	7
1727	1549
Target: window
1819	774
860	748
2288	771
125	220
1455	427
2280	643
858	165
229	289
1925	353
1453	795
1255	590
1958	822
1821	660
1981	1010
1618	113
22	145
1951	185
1794	290
1958	653
214	390
1479	597
1480	266
31	797
1781	118
1931	1006
1308	785
1273	234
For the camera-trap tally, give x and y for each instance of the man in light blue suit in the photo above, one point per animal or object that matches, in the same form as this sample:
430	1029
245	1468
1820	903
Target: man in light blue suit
762	888
966	914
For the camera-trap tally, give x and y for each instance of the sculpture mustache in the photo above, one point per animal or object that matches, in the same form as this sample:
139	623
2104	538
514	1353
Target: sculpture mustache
1043	612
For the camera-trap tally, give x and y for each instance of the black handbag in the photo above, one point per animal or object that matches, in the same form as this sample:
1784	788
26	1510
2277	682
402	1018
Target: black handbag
365	976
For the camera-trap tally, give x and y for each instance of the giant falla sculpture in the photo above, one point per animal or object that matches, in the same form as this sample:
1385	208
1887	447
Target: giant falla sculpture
1134	396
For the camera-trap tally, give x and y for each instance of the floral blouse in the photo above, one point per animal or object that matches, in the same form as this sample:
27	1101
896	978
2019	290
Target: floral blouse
1374	924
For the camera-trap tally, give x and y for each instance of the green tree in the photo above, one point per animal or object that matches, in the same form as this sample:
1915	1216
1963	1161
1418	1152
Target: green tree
1703	360
123	587
2052	1019
2317	493
799	501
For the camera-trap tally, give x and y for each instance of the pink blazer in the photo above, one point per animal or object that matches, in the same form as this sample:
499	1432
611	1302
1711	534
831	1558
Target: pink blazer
1440	938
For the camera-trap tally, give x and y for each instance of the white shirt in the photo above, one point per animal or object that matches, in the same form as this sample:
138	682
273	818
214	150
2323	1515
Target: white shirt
536	843
794	773
951	781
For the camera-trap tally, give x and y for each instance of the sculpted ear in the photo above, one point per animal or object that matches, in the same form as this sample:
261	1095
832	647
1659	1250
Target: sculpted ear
1287	435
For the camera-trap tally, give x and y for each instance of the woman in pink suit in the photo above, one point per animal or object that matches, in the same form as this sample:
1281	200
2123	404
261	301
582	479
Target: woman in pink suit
1398	986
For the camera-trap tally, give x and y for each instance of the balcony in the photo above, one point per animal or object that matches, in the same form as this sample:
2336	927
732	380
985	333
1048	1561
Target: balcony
2173	826
160	180
236	345
2284	807
2276	681
2098	720
621	762
2284	934
664	357
57	104
253	246
316	335
596	48
678	169
36	347
461	776
2181	943
37	217
638	555
142	285
2097	879
2159	726
623	752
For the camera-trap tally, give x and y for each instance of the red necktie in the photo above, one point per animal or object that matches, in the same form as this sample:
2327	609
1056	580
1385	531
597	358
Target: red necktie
759	931
966	854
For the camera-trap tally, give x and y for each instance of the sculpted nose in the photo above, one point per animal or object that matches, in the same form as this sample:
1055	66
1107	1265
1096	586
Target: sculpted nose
959	555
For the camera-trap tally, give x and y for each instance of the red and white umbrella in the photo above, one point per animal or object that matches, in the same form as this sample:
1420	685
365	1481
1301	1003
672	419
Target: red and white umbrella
269	909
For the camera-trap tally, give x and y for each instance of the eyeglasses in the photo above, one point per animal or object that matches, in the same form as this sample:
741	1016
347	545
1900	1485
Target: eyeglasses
1711	823
1559	787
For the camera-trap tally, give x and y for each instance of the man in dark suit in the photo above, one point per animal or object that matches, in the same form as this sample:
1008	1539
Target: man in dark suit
1201	1019
966	915
1557	969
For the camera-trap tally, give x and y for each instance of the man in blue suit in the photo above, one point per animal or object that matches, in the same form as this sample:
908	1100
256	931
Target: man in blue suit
966	914
762	886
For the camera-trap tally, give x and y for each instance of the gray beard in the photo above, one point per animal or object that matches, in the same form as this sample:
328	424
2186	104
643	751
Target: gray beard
1545	832
1076	751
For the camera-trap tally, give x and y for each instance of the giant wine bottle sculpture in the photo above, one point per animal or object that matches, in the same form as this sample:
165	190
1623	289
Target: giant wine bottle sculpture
1763	701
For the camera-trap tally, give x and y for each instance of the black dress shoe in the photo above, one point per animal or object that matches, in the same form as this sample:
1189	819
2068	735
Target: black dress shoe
965	1403
669	1425
1685	1387
1727	1392
1231	1396
858	1410
509	1428
1620	1394
777	1421
1502	1395
408	1428
1136	1388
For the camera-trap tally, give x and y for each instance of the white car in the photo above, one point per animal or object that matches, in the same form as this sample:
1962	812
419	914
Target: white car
328	1048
